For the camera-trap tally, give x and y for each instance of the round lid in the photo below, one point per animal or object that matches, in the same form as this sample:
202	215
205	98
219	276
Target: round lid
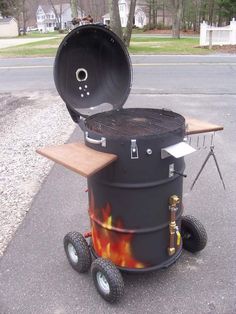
92	70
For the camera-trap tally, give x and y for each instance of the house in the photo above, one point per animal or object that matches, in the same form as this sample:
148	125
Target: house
8	27
141	16
47	20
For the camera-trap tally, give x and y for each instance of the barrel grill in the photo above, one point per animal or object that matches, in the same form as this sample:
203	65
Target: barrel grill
135	203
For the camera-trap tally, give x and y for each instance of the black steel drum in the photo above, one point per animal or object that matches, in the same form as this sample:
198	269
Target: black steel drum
129	200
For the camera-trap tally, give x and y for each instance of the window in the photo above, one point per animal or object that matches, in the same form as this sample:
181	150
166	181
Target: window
122	8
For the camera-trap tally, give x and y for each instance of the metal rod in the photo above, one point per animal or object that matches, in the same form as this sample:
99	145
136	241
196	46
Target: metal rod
218	168
211	153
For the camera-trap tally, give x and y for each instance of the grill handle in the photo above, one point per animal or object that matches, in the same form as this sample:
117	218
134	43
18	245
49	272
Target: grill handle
102	141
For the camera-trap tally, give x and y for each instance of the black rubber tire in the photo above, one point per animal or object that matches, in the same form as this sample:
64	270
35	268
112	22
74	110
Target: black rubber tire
193	233
112	276
82	251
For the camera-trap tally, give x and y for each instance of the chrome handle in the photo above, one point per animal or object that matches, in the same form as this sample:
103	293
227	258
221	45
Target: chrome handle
102	141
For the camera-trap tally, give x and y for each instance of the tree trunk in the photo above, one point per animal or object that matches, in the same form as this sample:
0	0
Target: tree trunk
56	14
24	16
155	13
163	13
149	14
74	8
177	14
211	11
129	27
115	17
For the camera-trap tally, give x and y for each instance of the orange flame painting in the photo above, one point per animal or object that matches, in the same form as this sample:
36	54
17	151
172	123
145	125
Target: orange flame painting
110	240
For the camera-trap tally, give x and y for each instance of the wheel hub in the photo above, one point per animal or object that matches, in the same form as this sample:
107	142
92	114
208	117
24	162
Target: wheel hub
72	253
102	282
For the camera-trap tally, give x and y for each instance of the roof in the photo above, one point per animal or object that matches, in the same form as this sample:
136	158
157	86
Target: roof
7	20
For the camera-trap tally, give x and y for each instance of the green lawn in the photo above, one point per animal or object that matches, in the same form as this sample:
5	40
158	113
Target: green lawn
139	45
45	48
154	45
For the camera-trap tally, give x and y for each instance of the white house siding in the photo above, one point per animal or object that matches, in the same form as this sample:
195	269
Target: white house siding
66	17
8	27
124	11
46	19
140	16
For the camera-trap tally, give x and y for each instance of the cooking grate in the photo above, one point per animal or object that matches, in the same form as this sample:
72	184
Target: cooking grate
135	121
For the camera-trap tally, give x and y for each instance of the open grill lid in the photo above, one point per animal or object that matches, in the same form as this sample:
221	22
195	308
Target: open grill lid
92	71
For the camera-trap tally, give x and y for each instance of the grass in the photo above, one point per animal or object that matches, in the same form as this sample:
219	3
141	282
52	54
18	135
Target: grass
45	48
139	45
155	45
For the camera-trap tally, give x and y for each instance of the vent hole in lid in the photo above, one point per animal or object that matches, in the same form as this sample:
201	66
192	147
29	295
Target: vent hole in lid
81	75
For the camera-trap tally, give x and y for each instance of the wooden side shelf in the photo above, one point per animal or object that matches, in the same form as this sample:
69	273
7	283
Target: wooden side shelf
86	161
78	157
195	126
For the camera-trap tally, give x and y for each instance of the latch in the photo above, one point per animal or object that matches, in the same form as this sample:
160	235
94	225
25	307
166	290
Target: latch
134	150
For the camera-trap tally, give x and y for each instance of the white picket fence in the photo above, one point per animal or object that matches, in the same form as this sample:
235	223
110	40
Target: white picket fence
212	35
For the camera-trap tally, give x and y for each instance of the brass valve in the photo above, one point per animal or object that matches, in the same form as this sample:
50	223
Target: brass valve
175	236
174	200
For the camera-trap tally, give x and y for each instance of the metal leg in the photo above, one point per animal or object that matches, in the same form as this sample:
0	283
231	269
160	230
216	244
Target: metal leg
218	168
211	153
200	171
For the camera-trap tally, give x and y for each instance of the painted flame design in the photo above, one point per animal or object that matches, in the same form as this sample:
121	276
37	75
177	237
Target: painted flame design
110	244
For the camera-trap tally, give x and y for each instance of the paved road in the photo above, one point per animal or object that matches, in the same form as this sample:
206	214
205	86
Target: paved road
34	274
153	74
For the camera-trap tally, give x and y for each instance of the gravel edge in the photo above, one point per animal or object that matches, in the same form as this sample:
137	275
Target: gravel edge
27	122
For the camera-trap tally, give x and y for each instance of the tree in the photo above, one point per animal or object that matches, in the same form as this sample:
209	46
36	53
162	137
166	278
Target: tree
7	7
115	22
115	17
152	13
177	16
227	9
74	8
129	27
57	14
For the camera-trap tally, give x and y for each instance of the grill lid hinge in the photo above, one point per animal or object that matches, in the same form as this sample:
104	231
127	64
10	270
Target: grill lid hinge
134	150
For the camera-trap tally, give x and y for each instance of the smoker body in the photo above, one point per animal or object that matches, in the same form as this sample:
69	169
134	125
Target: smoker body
129	200
135	202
